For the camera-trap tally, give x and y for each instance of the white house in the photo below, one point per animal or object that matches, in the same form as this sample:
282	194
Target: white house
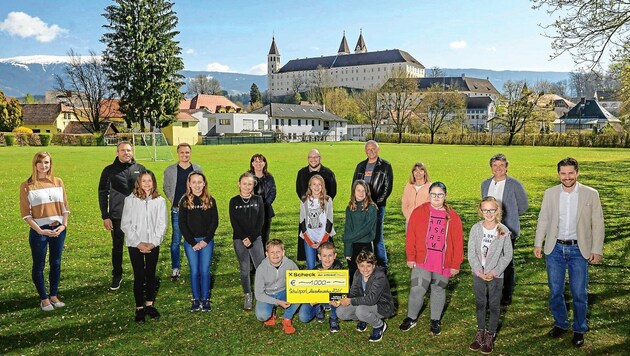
304	122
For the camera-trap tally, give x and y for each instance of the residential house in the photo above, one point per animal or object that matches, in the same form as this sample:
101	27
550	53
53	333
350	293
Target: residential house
587	115
304	122
47	118
183	130
609	100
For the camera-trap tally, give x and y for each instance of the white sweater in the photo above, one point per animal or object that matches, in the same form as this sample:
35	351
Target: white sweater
143	220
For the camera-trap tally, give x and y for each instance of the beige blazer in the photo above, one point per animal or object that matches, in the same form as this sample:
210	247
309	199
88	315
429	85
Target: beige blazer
590	221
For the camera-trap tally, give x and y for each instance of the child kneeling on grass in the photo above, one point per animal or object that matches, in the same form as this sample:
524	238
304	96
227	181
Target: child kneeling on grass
270	287
489	253
369	300
328	260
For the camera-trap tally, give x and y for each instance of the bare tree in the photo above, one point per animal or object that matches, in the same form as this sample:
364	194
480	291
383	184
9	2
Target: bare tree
443	107
399	97
584	83
367	101
202	84
519	104
320	84
587	29
85	89
297	83
435	72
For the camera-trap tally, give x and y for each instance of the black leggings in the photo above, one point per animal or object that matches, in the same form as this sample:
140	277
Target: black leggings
144	265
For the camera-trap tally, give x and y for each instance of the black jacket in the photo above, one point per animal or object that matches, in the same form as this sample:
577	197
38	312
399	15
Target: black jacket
116	183
266	188
305	174
376	292
382	180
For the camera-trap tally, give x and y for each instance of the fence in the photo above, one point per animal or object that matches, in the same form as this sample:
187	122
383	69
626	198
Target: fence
235	140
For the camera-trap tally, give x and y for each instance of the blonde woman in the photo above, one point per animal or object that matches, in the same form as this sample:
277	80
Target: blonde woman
416	190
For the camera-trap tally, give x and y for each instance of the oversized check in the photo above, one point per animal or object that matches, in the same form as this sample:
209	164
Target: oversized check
316	286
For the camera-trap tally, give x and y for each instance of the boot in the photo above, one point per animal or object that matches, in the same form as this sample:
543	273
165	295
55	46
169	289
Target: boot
478	341
249	302
488	343
287	327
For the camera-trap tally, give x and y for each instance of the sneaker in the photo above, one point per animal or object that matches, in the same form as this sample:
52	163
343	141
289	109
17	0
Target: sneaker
361	326
287	326
436	327
48	307
205	305
196	306
249	302
488	343
377	333
320	314
334	325
556	332
152	312
57	304
578	339
478	341
139	315
116	281
175	275
407	324
271	321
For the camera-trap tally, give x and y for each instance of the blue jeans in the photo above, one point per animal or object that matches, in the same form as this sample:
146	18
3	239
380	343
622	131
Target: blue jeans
176	239
307	312
379	239
561	258
311	255
265	310
199	262
39	244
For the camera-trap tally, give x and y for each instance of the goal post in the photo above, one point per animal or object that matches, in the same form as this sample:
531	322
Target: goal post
151	146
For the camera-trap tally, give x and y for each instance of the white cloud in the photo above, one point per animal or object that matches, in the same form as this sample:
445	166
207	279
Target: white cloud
191	51
24	25
258	69
457	44
218	67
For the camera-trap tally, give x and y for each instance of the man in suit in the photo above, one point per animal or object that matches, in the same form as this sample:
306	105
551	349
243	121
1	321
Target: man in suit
571	224
511	194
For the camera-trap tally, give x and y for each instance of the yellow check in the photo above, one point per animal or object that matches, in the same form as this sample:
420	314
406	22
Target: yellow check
316	286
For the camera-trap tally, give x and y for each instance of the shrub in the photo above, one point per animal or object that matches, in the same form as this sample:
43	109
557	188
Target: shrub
99	138
45	138
23	129
86	140
10	139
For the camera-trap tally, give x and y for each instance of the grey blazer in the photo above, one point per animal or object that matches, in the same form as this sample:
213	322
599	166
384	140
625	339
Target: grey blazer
590	220
514	203
170	180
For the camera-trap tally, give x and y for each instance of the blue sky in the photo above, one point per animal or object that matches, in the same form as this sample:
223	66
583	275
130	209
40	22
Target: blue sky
234	36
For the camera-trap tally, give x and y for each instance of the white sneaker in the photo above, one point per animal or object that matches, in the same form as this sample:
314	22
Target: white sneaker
175	275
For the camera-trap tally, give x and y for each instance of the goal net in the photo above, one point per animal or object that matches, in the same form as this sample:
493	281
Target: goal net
151	146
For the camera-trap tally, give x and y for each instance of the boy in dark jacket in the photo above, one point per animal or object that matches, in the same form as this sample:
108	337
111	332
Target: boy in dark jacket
369	300
328	260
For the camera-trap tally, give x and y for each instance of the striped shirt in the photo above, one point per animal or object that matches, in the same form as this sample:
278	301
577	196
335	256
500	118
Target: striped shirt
45	201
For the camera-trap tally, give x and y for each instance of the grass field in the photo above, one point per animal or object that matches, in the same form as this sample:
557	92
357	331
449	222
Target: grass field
97	321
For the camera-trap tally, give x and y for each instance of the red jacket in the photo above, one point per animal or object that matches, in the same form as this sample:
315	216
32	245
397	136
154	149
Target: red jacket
417	233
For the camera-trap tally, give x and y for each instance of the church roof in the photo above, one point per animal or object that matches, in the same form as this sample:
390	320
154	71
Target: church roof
343	46
360	47
349	60
274	48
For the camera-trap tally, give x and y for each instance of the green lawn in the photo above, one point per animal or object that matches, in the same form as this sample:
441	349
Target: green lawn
97	321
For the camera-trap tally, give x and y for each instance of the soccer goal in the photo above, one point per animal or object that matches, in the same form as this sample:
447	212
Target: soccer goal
151	146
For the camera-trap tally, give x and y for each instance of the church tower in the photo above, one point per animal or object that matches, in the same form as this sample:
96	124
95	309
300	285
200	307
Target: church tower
273	64
343	47
360	47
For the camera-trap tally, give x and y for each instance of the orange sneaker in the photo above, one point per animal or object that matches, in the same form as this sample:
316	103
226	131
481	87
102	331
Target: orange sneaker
287	327
271	321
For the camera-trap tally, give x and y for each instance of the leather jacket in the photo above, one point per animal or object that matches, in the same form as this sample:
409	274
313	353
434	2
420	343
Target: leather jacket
382	180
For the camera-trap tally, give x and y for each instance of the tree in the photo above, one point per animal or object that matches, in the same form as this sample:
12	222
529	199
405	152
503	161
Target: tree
85	89
519	104
143	60
399	97
29	99
10	113
367	101
436	72
588	29
444	107
297	82
584	83
321	82
254	94
202	84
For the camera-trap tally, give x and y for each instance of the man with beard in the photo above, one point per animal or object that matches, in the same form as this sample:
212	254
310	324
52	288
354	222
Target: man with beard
116	183
571	224
301	185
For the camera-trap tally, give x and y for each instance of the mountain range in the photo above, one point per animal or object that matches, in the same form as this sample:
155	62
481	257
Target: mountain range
35	74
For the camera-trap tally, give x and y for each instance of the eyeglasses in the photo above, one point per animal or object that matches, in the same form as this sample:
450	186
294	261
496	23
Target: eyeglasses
488	211
437	195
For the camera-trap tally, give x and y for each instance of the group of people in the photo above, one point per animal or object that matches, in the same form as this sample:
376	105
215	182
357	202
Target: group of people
570	225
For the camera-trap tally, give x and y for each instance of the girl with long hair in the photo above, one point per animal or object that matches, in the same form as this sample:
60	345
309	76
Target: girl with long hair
360	228
316	219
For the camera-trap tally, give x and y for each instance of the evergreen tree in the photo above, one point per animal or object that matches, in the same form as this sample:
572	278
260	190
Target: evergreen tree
143	60
254	94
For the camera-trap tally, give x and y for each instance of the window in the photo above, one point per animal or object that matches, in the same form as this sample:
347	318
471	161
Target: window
36	131
277	122
224	121
289	122
261	124
282	122
312	122
248	124
184	125
326	125
299	122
